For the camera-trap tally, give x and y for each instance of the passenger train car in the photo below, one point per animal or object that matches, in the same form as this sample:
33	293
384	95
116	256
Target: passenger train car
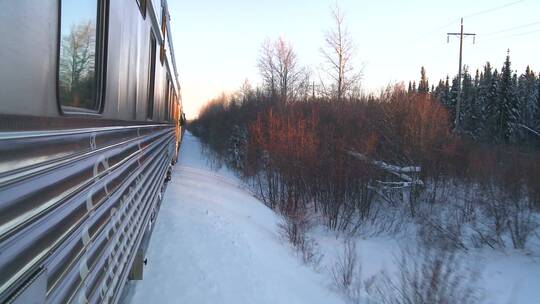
90	126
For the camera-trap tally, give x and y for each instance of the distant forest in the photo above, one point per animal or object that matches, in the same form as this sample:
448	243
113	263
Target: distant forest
497	107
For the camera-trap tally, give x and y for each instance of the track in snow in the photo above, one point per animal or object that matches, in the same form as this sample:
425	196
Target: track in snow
215	243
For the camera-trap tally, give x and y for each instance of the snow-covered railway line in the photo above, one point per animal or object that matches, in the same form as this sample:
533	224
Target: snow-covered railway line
215	243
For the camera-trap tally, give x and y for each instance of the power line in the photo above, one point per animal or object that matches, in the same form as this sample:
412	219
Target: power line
435	31
511	29
493	9
512	36
523	34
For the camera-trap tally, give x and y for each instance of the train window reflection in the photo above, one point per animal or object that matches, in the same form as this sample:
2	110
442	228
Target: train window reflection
78	78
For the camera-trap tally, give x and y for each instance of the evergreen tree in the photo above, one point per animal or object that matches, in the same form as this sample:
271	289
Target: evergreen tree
478	110
483	91
440	92
493	108
469	112
452	99
528	97
447	90
508	115
423	85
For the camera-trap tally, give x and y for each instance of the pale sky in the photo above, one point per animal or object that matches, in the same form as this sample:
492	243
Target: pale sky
217	42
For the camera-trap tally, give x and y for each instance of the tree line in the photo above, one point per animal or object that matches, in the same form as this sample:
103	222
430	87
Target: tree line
497	107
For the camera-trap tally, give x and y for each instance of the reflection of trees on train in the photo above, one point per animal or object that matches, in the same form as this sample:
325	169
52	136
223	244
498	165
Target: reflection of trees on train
77	66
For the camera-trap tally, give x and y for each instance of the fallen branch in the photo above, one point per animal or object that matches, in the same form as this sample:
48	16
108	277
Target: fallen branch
393	169
528	129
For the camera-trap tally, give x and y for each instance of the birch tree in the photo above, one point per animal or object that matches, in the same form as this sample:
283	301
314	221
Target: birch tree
267	67
338	53
282	74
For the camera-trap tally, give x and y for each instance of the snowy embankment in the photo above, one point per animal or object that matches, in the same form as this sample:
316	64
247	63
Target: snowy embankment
215	243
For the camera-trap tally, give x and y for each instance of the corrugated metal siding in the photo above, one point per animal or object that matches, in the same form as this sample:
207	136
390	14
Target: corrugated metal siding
74	205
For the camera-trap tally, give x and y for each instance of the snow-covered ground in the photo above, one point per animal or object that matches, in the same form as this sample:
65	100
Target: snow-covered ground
215	243
506	276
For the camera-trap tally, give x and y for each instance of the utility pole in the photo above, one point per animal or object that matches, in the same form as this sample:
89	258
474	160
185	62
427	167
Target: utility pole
458	103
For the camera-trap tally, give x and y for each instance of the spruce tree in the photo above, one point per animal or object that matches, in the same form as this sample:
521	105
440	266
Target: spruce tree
452	99
438	92
509	113
469	115
484	89
527	96
441	92
493	109
447	90
477	111
423	85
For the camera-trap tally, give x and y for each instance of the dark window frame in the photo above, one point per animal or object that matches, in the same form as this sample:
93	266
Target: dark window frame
163	34
142	7
175	106
167	98
151	77
102	34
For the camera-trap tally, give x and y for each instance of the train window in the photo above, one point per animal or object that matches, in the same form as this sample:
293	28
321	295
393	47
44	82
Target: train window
174	114
167	99
163	21
162	54
171	113
151	77
171	100
171	105
142	7
81	63
163	34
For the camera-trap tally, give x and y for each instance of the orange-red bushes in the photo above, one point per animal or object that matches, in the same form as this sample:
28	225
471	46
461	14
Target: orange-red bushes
283	146
302	157
297	153
415	128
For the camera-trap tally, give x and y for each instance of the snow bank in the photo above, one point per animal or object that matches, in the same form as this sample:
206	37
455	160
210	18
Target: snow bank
215	243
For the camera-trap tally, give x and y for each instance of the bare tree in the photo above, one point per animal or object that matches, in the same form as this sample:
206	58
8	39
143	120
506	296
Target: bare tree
267	67
282	74
338	54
